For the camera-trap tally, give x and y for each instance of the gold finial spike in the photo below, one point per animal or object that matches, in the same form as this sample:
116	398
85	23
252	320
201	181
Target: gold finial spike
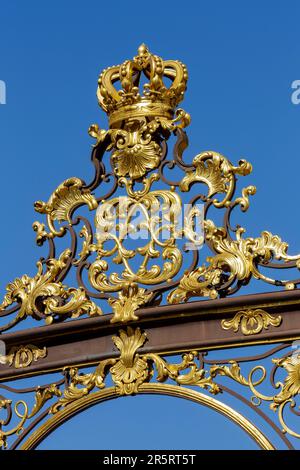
143	49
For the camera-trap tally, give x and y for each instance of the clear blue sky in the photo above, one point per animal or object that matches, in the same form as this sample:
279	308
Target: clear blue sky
242	58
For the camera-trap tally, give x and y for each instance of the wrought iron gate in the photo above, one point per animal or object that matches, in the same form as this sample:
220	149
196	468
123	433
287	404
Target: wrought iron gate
134	273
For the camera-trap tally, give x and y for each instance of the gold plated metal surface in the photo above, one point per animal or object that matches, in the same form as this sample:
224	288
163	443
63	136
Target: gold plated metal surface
152	389
132	176
132	373
251	322
23	356
142	119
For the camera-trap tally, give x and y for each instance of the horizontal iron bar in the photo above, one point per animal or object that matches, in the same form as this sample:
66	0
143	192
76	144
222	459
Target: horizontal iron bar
169	328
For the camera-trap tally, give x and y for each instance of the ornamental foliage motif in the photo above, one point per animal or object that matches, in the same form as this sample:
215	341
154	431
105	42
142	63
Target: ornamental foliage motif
103	259
112	274
132	368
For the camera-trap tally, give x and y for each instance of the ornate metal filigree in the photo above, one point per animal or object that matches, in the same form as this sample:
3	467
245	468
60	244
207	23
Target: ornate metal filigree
21	409
235	260
128	302
42	296
289	389
23	356
251	322
69	195
137	148
128	372
214	170
133	368
125	278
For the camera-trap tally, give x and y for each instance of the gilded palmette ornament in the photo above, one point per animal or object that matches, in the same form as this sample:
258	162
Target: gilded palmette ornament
132	369
251	322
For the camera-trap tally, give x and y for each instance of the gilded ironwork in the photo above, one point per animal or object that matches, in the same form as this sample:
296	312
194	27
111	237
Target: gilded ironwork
149	388
157	100
113	273
42	296
131	370
289	389
251	321
66	198
141	122
128	372
23	356
22	411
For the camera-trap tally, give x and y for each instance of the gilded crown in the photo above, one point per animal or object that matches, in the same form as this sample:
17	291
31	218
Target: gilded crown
154	100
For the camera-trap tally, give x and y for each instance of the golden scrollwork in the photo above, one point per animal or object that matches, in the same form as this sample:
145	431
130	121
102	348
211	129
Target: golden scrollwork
131	276
23	356
234	260
289	389
251	321
66	198
42	296
124	209
131	370
21	409
218	173
130	299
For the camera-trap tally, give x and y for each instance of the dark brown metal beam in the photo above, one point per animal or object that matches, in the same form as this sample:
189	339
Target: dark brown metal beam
170	329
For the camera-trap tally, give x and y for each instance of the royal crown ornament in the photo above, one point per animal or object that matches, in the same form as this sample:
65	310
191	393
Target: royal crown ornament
154	100
140	115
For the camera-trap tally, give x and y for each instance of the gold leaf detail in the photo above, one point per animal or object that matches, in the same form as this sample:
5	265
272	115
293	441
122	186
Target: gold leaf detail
87	245
251	321
128	302
66	198
23	356
42	295
291	386
130	370
137	160
217	173
233	372
233	260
